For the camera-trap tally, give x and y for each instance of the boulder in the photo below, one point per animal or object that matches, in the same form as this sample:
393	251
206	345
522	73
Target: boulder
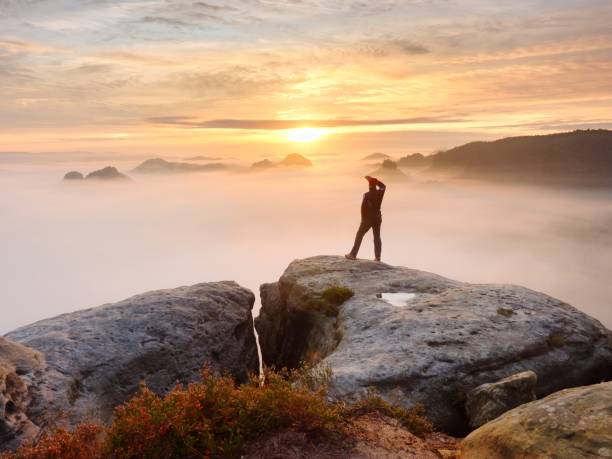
491	400
20	370
420	338
96	358
570	424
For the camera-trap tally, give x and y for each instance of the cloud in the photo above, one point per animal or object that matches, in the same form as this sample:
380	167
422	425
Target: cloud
119	55
189	122
387	47
16	46
212	7
164	21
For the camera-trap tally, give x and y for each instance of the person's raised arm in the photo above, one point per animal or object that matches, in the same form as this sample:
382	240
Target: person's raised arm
381	186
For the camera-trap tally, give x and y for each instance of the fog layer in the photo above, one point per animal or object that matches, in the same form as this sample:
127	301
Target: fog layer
68	246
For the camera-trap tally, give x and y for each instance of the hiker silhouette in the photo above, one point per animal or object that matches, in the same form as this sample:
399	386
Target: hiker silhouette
371	217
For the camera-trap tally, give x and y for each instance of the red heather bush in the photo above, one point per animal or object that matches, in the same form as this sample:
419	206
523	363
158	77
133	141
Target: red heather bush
82	443
214	418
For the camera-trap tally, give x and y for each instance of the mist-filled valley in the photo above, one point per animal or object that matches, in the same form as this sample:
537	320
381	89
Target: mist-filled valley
67	246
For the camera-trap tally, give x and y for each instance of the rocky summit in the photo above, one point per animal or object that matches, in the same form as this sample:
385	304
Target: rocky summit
85	363
419	338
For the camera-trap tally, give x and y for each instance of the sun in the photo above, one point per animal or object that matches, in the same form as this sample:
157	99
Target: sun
305	134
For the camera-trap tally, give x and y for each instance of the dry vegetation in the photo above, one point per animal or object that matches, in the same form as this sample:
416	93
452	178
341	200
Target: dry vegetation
217	418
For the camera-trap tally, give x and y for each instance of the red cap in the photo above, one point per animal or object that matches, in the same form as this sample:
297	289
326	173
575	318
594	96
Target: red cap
371	180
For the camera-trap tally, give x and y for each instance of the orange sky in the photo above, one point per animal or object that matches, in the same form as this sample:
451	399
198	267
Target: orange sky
172	75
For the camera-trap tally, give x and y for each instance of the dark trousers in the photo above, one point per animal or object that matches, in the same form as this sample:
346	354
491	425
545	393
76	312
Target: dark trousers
363	229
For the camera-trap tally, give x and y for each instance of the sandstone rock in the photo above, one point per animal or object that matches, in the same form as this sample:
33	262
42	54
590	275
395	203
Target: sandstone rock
431	344
96	358
491	400
570	424
20	369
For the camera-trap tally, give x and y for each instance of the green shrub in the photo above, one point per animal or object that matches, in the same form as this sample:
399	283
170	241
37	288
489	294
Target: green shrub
330	300
337	294
330	310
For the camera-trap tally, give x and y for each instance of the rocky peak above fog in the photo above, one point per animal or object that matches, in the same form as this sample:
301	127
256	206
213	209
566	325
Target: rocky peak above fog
161	166
291	160
424	339
106	173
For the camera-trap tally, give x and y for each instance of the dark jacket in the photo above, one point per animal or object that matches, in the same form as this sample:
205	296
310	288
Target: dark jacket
372	200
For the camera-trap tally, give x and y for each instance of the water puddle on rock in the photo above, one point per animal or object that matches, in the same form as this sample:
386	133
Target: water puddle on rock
397	299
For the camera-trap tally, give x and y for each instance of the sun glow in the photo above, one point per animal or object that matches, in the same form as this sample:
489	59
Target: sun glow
305	134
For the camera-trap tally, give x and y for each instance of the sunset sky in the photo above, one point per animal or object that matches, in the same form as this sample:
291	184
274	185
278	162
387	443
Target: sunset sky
127	75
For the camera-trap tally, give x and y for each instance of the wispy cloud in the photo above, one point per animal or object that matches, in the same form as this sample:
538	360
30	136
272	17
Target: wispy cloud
291	124
387	47
263	64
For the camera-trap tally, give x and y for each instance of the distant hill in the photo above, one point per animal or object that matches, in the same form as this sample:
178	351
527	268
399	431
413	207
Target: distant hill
73	175
414	160
263	164
202	158
574	158
292	160
107	173
376	157
161	166
389	171
295	160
